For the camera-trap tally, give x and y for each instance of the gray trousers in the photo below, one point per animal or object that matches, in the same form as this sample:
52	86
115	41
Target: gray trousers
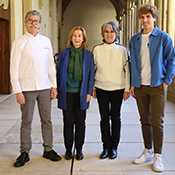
27	109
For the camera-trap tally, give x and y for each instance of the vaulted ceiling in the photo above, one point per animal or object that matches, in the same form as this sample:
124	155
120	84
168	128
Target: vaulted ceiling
119	5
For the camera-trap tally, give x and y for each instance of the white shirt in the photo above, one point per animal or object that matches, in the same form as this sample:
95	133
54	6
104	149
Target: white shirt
145	60
31	64
111	67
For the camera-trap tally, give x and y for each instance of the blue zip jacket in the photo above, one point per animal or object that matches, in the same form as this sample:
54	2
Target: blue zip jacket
87	78
162	58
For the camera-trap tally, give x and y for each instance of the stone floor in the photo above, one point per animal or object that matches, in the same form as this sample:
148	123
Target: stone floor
131	144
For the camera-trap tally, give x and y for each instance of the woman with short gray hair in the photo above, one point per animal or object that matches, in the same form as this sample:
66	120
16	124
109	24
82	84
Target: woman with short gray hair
114	27
111	86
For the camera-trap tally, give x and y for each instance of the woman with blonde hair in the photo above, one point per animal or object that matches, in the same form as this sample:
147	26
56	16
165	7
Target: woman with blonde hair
75	79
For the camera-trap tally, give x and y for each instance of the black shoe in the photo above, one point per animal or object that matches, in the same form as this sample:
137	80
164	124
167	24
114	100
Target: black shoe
104	154
22	159
68	155
79	155
113	154
52	155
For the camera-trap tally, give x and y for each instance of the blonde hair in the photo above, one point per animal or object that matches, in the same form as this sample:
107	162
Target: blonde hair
69	43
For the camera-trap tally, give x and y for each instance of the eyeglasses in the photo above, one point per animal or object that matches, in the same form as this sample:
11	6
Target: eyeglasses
33	21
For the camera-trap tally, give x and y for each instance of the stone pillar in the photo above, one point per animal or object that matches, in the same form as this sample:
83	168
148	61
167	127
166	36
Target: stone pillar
27	5
128	23
159	21
12	13
170	19
170	30
138	20
133	19
124	29
164	16
130	29
151	2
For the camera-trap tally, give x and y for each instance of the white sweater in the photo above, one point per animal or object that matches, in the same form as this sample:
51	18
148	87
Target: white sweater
111	67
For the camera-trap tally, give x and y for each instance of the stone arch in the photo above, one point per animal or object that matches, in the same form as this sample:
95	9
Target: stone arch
93	18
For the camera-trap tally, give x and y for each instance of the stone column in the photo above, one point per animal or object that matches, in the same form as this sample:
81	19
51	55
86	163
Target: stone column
133	19
138	20
170	30
27	5
164	16
170	19
130	29
159	22
128	23
151	2
124	29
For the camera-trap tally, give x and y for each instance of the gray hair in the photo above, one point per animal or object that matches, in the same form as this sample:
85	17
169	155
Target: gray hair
114	26
33	13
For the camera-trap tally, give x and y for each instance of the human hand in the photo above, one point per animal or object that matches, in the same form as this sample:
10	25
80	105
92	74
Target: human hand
54	93
126	95
20	98
88	98
94	94
165	86
132	92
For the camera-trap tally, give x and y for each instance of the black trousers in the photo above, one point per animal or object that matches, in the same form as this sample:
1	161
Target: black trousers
73	117
109	106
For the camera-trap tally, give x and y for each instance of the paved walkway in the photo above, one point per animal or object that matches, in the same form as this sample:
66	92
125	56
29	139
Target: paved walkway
131	144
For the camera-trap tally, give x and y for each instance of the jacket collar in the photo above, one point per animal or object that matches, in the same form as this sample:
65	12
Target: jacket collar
155	32
29	35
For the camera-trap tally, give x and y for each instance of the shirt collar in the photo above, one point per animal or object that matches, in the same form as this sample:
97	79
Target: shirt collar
154	33
31	36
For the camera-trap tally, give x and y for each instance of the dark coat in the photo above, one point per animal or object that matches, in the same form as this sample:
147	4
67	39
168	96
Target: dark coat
87	78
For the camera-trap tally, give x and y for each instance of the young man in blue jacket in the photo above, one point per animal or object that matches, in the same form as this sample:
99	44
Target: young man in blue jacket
152	70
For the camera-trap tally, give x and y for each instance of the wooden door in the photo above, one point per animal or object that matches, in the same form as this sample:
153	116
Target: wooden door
4	51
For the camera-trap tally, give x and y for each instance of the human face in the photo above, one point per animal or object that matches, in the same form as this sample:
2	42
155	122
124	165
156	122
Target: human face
33	24
109	34
77	38
147	22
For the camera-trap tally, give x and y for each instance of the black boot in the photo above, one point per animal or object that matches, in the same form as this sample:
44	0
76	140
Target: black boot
79	155
113	154
68	155
104	154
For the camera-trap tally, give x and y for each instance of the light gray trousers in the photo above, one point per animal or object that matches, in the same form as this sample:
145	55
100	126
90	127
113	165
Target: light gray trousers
44	107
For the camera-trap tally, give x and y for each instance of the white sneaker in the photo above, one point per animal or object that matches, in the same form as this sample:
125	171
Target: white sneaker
145	157
158	164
